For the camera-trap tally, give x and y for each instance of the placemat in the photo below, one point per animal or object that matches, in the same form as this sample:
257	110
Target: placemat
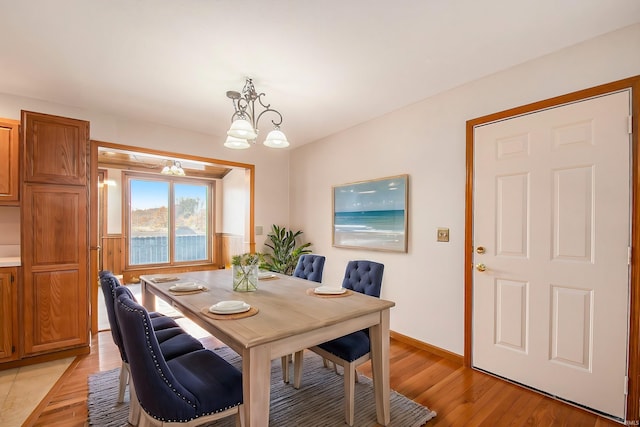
311	291
251	312
195	291
165	279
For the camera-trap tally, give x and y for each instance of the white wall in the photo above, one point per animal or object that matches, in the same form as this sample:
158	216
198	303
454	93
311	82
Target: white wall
234	202
9	226
427	141
114	201
271	166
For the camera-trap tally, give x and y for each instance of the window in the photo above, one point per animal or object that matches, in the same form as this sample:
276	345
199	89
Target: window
169	220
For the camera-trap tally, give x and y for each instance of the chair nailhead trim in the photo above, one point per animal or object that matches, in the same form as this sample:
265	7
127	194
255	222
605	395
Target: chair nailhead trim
162	374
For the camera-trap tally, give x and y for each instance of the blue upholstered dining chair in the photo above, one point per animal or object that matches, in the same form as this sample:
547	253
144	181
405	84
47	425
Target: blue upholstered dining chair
192	389
349	351
310	267
173	340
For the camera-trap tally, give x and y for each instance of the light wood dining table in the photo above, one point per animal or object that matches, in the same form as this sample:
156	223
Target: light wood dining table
290	318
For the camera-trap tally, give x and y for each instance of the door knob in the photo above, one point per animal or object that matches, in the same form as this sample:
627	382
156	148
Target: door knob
480	249
481	267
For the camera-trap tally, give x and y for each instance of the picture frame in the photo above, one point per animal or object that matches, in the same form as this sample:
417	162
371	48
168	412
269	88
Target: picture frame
371	214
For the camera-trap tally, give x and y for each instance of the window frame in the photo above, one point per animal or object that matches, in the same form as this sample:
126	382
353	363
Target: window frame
128	176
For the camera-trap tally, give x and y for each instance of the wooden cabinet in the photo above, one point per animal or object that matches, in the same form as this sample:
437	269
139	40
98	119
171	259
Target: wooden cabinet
55	149
54	221
8	314
9	161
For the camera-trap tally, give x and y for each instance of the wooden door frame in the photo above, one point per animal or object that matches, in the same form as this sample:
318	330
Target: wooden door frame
93	203
633	83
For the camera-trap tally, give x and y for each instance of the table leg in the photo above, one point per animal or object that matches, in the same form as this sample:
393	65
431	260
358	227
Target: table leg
379	336
256	385
148	299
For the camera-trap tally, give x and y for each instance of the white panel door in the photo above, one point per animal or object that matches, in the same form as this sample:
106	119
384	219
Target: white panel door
551	211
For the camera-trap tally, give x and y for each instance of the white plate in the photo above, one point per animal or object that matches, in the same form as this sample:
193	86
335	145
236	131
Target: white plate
326	290
229	307
186	287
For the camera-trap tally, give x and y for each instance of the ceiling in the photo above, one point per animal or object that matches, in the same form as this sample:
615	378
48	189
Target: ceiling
145	161
325	65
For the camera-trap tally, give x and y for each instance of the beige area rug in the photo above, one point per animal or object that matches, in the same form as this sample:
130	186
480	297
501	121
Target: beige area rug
22	389
318	402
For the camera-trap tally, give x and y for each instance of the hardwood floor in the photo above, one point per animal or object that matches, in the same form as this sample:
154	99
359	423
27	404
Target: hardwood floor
460	396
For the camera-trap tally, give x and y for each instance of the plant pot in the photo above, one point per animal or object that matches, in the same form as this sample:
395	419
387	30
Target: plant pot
245	278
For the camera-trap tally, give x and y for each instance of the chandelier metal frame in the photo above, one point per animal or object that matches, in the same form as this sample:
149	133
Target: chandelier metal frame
245	119
244	104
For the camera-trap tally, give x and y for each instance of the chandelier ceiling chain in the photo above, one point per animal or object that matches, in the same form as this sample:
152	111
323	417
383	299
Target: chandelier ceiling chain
245	119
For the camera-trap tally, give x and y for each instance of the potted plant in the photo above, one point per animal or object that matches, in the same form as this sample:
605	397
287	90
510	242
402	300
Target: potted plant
285	252
244	270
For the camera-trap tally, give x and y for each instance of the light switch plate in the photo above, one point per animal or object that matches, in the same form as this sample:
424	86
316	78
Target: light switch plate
443	234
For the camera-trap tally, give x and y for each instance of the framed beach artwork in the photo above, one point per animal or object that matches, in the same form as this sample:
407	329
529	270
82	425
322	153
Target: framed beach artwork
371	214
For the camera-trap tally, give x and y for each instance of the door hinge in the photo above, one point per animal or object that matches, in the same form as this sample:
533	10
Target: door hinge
629	255
12	279
13	349
630	129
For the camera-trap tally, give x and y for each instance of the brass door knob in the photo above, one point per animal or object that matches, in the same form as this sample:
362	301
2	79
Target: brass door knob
481	267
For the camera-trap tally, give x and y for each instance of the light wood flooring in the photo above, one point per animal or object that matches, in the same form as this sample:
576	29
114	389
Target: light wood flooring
460	396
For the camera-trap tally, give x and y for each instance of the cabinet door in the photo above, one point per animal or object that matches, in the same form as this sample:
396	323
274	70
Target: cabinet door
55	259
54	149
9	178
8	312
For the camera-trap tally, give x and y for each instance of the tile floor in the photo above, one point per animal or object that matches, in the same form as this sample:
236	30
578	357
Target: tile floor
22	389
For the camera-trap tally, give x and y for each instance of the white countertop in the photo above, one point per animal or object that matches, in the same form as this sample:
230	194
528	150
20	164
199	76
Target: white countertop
10	261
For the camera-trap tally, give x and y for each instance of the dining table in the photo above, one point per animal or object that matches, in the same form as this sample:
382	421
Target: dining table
286	316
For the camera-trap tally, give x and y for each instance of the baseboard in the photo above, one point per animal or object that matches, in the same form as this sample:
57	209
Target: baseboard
33	360
446	354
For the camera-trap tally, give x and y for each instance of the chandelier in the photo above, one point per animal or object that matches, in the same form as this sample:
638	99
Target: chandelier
174	169
244	121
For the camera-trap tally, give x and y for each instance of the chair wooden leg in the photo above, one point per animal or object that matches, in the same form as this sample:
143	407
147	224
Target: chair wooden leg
298	359
284	360
240	416
146	421
134	407
124	378
349	392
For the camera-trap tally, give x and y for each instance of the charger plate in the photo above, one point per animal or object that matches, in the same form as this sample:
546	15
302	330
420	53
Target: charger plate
311	291
195	291
251	312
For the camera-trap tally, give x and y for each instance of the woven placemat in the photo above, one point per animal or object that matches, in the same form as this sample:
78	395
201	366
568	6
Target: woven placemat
311	291
195	291
165	279
251	312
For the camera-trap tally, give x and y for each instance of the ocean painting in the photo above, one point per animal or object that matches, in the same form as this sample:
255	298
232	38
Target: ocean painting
371	214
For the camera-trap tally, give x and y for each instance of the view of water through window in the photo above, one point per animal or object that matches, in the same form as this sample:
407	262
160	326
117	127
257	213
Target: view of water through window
162	209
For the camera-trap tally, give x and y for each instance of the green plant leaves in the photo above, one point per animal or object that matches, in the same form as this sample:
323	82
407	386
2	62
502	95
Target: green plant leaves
285	253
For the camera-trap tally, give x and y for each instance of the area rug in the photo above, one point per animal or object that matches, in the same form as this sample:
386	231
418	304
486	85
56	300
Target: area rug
318	402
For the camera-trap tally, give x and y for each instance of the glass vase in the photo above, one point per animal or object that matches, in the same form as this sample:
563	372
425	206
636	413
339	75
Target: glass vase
245	278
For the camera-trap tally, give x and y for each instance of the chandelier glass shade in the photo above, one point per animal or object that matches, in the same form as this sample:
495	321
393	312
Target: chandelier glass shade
276	139
174	169
242	129
245	118
236	143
